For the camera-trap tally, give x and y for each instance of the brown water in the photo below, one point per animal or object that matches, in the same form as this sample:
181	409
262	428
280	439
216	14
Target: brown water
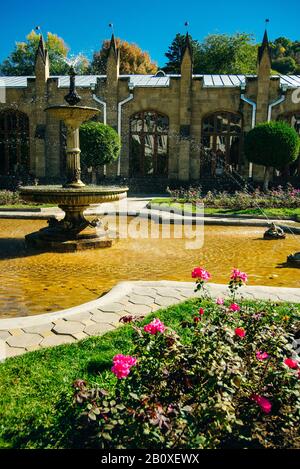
33	283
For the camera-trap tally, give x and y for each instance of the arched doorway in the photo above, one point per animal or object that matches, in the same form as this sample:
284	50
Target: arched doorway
293	119
149	144
221	142
14	142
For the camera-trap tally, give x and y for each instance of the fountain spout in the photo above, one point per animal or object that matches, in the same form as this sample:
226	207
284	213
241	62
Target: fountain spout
72	98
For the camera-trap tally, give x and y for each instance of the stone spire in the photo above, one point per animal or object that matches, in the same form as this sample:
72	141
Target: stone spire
263	82
187	58
187	48
264	51
113	61
42	62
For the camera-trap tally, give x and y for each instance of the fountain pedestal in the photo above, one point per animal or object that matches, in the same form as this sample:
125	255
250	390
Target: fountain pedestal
74	232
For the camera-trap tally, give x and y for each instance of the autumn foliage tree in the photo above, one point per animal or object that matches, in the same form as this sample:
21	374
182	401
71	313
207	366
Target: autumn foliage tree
132	59
21	61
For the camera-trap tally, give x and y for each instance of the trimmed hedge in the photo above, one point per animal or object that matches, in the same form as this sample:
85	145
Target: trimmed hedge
100	144
272	144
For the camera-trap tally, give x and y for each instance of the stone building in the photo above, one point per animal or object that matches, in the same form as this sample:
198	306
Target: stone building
183	128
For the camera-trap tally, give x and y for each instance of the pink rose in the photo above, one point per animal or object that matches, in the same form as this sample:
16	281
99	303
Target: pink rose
261	355
122	365
154	327
201	311
263	403
219	301
234	307
240	332
239	276
293	364
201	273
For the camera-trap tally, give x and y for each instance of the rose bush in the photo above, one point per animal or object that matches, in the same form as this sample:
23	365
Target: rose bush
288	197
226	379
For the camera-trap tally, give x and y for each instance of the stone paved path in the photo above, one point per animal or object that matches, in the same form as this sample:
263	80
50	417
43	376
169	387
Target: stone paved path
30	333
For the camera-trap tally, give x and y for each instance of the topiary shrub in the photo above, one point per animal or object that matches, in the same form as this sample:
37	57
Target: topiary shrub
272	144
100	144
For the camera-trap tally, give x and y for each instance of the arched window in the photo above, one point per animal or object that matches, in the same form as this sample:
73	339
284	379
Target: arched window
221	142
14	142
149	144
293	119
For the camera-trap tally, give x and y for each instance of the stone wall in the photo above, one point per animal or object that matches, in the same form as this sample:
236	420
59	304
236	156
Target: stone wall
186	101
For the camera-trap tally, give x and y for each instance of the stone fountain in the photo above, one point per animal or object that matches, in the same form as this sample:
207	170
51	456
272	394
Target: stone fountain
74	231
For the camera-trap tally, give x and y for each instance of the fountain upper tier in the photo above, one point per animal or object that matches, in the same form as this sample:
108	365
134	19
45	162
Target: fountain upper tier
64	196
73	116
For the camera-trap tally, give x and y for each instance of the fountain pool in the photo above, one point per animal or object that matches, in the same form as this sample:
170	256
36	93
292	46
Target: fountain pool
33	283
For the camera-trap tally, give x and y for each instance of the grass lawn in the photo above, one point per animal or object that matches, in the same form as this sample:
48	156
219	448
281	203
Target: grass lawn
36	388
293	213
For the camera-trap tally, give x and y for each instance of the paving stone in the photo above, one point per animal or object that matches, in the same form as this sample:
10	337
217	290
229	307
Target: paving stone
138	309
39	329
100	316
79	336
166	301
13	351
98	329
144	291
33	348
155	307
124	301
80	317
46	333
16	332
141	300
186	292
112	307
4	335
24	340
55	339
169	292
68	327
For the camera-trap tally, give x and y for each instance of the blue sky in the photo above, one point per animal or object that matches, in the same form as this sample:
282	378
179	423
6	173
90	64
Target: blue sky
152	24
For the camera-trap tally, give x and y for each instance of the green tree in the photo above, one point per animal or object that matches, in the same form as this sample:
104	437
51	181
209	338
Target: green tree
272	144
175	52
218	53
100	144
133	60
22	59
284	65
222	53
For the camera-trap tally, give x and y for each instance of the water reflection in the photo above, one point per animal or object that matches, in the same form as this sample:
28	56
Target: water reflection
33	282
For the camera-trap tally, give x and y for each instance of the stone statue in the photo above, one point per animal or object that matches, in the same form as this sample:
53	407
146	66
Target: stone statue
274	232
294	259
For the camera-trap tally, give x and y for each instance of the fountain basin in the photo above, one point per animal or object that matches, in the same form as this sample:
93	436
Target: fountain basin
84	196
74	232
72	116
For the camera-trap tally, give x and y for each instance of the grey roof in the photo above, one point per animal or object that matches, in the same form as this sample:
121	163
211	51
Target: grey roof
222	81
150	81
14	82
293	81
82	81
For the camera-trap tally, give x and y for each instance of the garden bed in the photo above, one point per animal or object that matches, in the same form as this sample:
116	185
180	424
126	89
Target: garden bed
37	407
283	213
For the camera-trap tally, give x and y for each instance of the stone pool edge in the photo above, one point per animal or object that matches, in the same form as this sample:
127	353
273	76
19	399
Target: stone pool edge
24	334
